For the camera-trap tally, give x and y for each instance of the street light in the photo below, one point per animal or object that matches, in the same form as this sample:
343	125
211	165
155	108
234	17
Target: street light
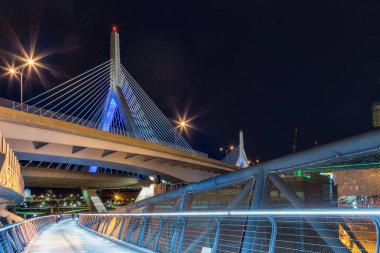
182	125
30	62
229	148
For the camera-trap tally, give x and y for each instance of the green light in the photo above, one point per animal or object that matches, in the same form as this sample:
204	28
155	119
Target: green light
358	165
299	173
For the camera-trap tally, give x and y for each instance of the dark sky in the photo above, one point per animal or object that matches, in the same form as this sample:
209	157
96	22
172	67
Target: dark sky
266	67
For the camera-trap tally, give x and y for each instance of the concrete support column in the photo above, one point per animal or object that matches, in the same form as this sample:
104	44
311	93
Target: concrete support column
86	197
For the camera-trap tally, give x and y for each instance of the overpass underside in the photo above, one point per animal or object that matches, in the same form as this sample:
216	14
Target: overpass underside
53	178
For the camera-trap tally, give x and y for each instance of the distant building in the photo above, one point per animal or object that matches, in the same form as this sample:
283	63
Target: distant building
28	195
376	115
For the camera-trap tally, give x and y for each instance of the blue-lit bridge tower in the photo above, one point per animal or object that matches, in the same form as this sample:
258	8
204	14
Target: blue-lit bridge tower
116	99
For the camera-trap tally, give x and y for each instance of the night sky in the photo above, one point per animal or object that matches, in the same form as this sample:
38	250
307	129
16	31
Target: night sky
266	67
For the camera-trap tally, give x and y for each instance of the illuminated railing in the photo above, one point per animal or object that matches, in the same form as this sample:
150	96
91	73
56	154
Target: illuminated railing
16	237
243	231
10	173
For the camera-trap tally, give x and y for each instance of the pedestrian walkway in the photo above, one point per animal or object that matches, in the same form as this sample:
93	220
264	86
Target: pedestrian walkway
67	236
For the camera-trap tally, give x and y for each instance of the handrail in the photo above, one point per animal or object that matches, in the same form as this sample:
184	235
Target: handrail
6	227
263	212
309	230
16	237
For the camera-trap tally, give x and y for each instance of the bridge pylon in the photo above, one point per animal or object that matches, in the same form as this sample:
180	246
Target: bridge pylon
238	156
116	99
242	161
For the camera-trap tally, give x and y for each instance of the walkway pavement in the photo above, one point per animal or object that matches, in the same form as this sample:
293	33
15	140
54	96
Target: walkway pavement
68	236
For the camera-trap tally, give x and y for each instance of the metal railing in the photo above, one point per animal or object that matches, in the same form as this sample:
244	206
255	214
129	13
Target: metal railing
55	115
16	237
244	231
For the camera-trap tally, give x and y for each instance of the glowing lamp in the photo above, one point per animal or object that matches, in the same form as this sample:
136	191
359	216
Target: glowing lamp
114	28
30	61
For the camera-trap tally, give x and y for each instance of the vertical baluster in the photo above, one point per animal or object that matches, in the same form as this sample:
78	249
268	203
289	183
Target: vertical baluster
217	234
121	229
159	234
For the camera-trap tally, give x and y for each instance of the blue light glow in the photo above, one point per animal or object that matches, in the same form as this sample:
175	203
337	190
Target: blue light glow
106	125
93	169
107	121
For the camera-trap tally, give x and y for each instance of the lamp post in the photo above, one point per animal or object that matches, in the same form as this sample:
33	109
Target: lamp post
227	148
182	126
12	71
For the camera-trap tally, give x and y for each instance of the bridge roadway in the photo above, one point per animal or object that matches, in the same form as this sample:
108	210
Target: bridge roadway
67	236
37	138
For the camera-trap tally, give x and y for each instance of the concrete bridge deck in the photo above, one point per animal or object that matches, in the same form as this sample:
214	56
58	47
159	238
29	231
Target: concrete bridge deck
67	236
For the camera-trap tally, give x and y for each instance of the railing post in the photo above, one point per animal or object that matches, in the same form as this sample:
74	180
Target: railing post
3	242
377	226
8	246
175	234
15	242
104	219
121	229
159	234
217	235
273	236
141	232
131	230
25	233
182	234
117	222
251	224
20	234
106	224
176	229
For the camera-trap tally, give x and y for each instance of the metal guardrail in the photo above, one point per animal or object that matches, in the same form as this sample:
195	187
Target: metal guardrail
55	115
10	104
244	231
16	237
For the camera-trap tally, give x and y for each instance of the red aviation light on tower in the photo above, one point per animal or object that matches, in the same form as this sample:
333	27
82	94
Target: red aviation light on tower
114	28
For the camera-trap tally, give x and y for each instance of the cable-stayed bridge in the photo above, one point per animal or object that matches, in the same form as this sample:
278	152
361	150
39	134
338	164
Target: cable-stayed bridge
325	199
99	119
100	130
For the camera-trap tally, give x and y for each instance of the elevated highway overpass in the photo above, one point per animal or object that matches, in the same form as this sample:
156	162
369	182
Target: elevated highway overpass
52	178
101	118
38	138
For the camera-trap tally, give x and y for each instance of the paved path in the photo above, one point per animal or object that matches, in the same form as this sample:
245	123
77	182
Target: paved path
68	236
